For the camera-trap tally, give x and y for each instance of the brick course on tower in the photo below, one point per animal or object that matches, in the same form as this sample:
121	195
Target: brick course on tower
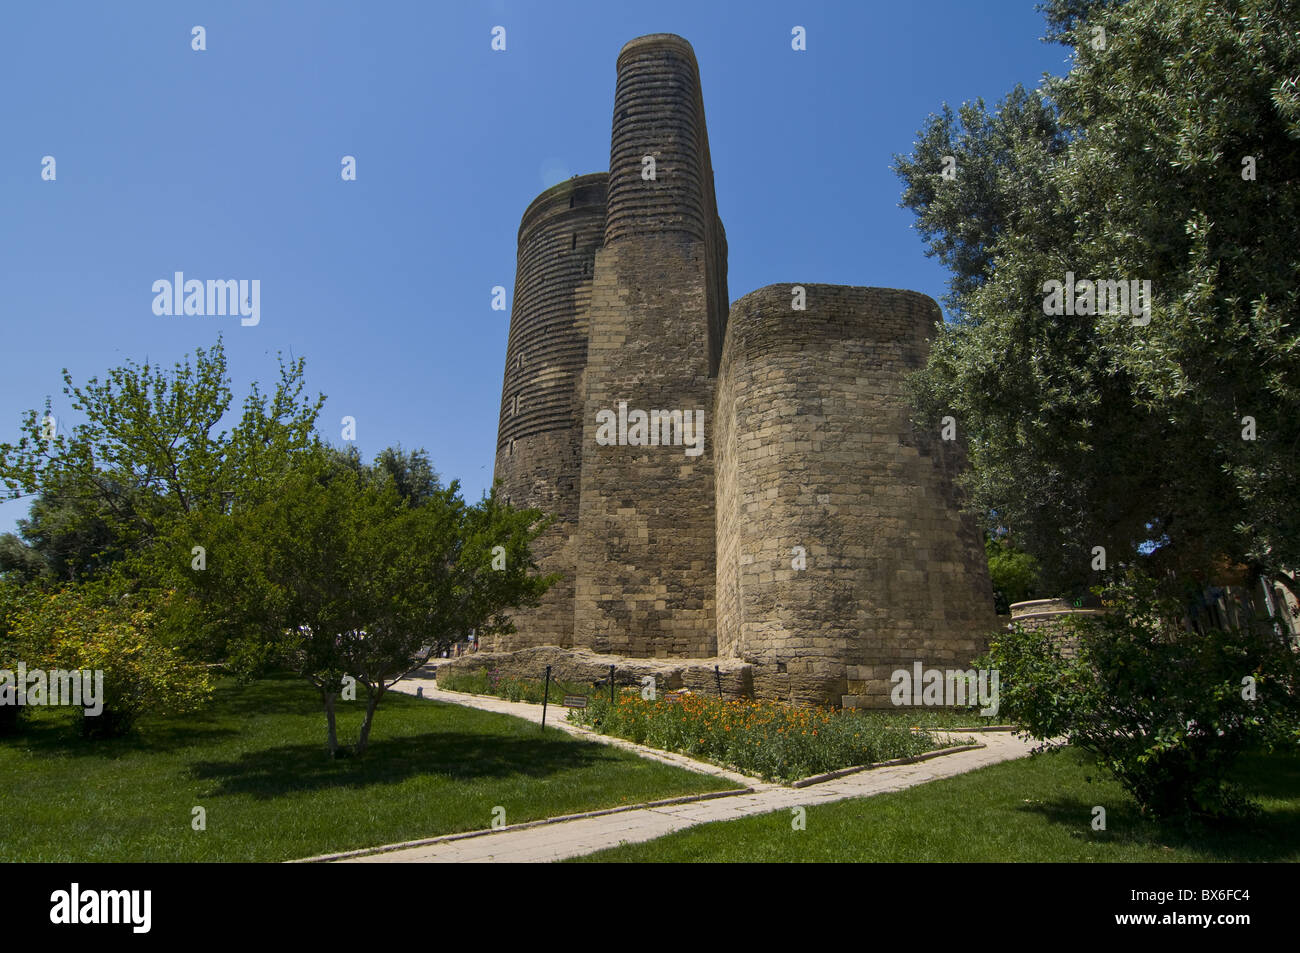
621	296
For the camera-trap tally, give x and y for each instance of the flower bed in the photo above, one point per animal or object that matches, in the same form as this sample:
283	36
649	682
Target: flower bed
774	741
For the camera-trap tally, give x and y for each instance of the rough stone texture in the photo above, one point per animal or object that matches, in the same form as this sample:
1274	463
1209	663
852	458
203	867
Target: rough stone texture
539	457
1052	617
583	665
646	524
622	296
815	449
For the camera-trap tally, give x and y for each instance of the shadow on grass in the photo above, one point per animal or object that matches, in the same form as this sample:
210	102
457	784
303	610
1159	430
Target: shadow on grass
278	694
58	734
1271	836
56	731
455	756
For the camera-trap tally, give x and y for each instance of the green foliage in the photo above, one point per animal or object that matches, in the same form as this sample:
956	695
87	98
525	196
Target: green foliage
409	471
1167	710
1014	573
1064	17
67	536
11	598
341	575
147	450
1002	183
1087	430
769	739
76	628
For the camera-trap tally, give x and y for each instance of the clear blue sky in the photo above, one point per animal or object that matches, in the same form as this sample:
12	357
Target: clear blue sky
225	164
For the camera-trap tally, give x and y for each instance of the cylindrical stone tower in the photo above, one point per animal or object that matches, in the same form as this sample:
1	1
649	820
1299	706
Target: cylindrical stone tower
820	467
750	488
539	437
657	318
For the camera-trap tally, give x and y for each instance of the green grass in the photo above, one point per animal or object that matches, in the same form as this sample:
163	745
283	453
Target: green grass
256	760
1035	809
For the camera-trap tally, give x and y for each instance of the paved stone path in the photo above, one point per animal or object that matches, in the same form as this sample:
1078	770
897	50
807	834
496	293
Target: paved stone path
556	718
546	842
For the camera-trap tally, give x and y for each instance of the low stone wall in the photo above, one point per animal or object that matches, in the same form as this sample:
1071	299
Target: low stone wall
1050	615
583	665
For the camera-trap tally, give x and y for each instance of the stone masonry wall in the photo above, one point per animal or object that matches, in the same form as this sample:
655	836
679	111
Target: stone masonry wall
621	298
816	449
645	577
582	666
539	457
1052	617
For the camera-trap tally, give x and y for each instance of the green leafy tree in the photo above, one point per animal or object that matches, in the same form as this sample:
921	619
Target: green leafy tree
410	471
1014	573
19	560
66	537
345	576
1086	430
150	449
1166	710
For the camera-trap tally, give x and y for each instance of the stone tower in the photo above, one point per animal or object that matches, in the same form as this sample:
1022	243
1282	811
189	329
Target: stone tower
539	438
658	310
815	450
621	307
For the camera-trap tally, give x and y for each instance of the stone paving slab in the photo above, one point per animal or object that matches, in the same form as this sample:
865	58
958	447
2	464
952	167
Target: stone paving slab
543	843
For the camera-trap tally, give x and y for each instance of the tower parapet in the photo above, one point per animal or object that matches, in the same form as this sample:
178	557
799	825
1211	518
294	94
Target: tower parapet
659	112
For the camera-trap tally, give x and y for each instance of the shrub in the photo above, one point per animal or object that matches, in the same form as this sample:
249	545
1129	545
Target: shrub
1166	710
71	629
10	600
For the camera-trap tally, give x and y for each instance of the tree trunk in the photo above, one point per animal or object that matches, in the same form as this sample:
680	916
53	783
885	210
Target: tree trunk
328	699
372	702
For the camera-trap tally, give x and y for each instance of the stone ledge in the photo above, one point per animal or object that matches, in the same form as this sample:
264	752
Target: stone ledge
584	665
845	772
1056	613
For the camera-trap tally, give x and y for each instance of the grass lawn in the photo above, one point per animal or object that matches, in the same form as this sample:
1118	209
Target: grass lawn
1033	809
255	760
